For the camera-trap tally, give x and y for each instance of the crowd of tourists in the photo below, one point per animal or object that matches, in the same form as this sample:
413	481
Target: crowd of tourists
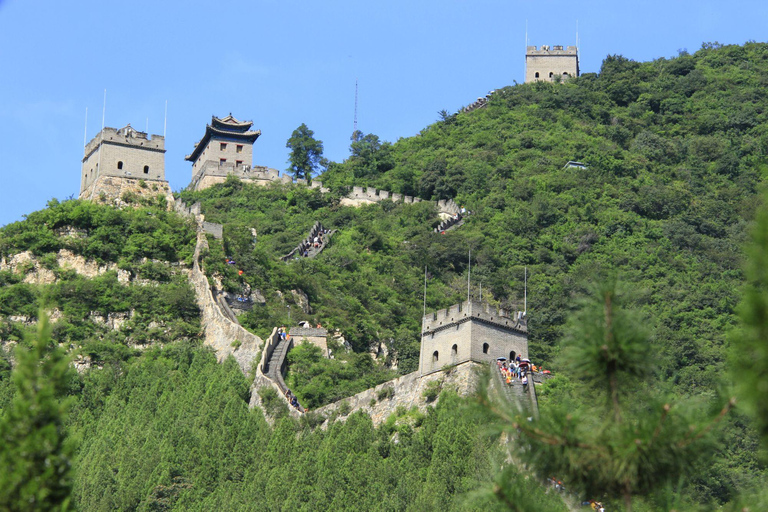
517	370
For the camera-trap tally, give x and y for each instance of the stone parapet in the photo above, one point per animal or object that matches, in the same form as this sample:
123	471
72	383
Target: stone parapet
225	336
457	313
406	391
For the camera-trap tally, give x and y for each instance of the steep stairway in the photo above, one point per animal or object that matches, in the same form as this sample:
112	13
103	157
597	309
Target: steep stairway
307	245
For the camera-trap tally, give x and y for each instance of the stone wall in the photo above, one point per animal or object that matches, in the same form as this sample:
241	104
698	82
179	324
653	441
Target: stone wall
222	334
408	391
110	190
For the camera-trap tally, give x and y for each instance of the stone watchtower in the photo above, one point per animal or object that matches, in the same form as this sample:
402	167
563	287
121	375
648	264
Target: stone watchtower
470	331
545	63
226	148
117	161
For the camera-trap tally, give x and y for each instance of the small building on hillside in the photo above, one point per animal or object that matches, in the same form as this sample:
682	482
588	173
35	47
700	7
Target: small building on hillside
118	161
548	62
470	331
316	336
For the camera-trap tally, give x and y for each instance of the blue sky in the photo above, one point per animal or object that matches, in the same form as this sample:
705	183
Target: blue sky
283	63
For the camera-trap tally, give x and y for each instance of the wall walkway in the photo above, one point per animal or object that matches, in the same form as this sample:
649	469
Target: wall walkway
308	243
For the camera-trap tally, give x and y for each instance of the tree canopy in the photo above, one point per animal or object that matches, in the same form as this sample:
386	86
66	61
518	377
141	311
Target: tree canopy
306	153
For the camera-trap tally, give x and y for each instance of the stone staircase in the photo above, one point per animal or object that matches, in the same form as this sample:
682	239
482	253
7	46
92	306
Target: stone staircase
524	401
307	245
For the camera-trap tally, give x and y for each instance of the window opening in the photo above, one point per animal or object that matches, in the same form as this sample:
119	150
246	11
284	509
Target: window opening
119	165
485	348
512	355
146	169
537	74
239	148
434	356
223	146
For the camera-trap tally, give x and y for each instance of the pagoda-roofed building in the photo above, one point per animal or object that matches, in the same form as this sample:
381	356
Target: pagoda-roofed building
226	148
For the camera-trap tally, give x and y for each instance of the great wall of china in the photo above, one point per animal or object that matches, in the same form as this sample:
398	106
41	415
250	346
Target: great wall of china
224	334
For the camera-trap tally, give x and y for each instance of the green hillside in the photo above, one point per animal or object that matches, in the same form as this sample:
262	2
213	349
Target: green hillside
675	155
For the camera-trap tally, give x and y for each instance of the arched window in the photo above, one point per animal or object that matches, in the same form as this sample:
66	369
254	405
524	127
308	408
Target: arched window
454	350
485	348
146	169
565	73
551	74
119	165
512	355
434	356
537	74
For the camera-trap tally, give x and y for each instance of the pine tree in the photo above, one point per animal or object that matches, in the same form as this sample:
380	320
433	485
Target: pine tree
35	454
622	438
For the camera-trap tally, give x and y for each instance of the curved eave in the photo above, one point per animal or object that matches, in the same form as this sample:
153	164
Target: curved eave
211	132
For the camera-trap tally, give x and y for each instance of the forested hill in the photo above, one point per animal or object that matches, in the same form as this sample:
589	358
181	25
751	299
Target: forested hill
676	151
675	159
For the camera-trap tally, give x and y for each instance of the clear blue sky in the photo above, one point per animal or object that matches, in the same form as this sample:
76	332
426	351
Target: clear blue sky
283	63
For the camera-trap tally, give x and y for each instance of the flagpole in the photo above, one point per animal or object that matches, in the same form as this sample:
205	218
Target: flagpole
469	272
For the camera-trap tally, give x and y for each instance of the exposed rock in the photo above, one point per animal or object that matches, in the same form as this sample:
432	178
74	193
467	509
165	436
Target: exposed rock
257	297
72	232
339	338
302	300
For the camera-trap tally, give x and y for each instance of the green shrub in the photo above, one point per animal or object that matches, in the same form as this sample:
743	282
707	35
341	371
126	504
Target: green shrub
432	391
273	404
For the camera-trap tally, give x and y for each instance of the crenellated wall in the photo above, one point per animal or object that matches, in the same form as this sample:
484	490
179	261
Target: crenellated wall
470	331
213	172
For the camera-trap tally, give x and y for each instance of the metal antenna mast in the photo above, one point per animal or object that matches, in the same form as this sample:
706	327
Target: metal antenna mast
354	126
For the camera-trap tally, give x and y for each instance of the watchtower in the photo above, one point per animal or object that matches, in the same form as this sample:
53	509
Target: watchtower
114	156
226	148
546	63
470	331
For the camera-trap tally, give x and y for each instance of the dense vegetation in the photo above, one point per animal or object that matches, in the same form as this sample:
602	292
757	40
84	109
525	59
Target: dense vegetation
147	244
676	156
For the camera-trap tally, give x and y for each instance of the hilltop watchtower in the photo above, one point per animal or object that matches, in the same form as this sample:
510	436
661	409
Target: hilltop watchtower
548	62
226	148
470	331
116	161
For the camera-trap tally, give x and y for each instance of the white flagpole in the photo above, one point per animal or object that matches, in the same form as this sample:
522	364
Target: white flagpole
85	131
469	272
425	291
525	307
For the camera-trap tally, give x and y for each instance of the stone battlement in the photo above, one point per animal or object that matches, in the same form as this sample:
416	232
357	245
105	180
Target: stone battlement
551	50
368	195
125	136
215	172
462	312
